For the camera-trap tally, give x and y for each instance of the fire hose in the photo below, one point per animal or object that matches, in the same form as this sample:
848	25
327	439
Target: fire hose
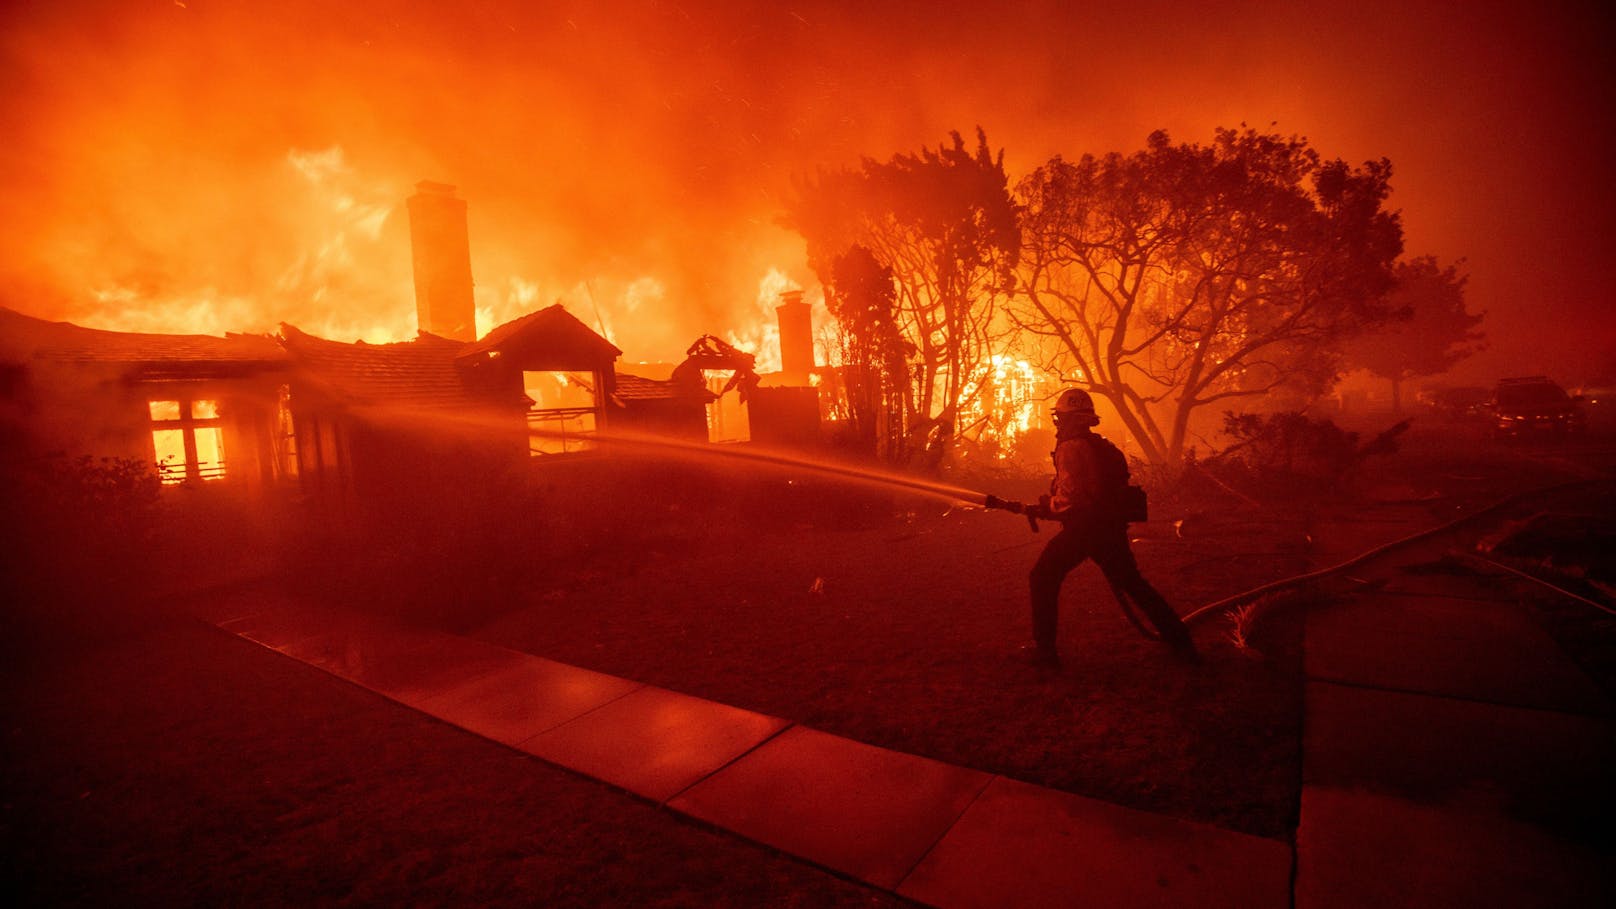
1034	511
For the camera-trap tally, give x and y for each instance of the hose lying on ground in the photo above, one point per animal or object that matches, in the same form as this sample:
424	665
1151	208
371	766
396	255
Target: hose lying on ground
1285	583
1472	558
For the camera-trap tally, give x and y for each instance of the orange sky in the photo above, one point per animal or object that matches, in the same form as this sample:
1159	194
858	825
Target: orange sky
230	165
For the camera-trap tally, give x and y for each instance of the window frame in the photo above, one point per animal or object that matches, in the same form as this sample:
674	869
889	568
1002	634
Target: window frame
572	443
187	424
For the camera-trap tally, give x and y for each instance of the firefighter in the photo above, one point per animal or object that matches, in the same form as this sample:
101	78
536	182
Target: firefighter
1087	497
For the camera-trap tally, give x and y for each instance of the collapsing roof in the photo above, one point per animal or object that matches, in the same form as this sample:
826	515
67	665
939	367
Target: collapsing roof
421	373
141	356
430	372
635	389
438	373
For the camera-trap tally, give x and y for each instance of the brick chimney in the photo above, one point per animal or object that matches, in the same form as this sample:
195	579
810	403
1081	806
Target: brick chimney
796	338
442	254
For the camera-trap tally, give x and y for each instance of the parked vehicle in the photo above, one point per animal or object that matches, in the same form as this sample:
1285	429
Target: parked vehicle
1468	402
1536	405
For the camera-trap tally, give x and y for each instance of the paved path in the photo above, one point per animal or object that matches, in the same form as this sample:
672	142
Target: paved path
1452	756
933	832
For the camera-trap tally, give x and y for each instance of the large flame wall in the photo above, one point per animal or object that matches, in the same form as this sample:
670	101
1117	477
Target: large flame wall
196	165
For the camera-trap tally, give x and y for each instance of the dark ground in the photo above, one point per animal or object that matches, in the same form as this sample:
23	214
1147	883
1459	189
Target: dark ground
911	643
907	635
160	761
184	766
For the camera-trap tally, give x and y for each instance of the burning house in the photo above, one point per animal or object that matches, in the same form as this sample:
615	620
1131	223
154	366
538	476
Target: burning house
201	408
255	412
786	411
379	419
347	423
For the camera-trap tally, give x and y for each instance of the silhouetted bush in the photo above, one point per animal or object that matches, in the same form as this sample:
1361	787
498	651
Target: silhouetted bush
1284	454
81	537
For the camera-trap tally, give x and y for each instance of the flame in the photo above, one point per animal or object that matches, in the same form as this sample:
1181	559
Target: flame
1022	389
341	278
205	311
759	334
350	269
348	215
1007	402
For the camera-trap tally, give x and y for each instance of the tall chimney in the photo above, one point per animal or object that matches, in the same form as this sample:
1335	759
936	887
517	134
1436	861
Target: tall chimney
796	338
442	254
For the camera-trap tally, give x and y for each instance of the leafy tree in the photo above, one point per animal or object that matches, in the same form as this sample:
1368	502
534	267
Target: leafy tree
1183	275
942	221
875	374
1431	330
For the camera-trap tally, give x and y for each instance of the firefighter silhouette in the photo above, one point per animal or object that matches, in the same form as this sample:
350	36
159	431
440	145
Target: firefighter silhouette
1093	502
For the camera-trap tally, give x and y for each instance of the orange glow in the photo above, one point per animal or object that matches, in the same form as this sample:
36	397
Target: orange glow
170	448
563	414
187	440
225	167
757	331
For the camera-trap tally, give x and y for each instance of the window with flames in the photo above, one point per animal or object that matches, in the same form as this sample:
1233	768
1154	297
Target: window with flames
565	413
187	440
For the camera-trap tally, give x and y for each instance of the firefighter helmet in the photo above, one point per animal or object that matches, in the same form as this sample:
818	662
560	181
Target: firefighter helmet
1075	404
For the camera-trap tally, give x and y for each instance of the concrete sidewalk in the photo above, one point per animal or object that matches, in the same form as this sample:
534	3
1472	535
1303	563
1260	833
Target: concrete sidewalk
1452	754
929	831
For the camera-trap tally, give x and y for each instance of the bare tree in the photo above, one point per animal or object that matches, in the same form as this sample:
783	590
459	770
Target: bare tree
1187	275
943	222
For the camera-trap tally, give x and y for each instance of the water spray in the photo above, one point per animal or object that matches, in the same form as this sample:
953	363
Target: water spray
775	459
698	451
707	451
1032	511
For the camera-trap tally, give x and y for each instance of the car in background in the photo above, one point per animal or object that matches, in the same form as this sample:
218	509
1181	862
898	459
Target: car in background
1536	406
1467	403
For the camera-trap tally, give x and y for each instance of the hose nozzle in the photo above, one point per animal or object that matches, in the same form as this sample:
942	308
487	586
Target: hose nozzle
993	501
1014	507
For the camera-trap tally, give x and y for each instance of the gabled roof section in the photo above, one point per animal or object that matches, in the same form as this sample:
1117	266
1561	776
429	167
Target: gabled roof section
417	374
550	338
24	338
631	389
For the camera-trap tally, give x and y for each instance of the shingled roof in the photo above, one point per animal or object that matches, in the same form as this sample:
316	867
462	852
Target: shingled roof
552	337
429	372
24	338
634	388
420	374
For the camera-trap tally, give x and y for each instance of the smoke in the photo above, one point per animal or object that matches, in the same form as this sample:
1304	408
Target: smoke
198	165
